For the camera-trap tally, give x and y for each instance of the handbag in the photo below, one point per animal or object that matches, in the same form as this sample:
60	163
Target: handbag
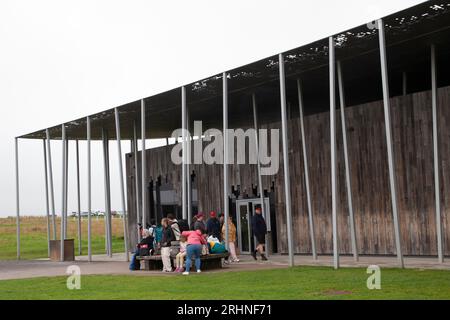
204	250
144	250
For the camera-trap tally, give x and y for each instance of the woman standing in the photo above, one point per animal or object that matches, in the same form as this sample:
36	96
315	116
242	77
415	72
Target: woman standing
231	239
166	240
195	241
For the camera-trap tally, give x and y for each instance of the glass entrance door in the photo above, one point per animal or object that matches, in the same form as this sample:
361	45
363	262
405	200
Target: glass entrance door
245	210
243	227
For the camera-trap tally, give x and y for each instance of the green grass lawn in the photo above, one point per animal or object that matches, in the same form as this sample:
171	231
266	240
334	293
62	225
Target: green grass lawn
293	283
34	236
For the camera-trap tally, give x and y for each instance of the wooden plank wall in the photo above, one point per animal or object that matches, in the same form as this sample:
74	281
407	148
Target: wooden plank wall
413	147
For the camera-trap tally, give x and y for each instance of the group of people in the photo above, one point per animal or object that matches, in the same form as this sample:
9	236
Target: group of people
175	238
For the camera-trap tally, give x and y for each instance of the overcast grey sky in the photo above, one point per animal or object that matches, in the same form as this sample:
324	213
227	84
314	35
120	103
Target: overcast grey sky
60	60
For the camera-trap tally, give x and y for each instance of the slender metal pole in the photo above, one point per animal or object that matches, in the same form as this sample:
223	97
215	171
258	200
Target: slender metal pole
347	163
184	151
88	138
287	185
390	149
46	197
16	145
143	167
50	173
136	180
306	171
266	214
437	195
107	193
333	153
63	185
66	191
226	208
108	172
188	169
105	184
122	184
78	197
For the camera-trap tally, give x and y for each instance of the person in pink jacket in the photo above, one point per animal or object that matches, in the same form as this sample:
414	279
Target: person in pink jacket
195	240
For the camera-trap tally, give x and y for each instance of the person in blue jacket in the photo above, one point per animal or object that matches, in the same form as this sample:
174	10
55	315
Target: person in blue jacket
213	226
259	229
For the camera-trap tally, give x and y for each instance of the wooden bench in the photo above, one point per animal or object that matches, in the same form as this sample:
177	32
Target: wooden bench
209	261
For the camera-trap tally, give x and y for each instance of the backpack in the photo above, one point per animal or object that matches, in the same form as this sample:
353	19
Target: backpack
218	248
176	230
158	234
183	225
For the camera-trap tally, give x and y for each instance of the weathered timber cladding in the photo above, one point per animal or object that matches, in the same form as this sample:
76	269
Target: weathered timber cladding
413	149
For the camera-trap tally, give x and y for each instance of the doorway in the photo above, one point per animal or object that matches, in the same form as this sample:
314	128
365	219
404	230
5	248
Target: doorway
245	209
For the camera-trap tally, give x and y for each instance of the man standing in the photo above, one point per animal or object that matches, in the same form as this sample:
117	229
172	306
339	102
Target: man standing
259	229
173	223
213	226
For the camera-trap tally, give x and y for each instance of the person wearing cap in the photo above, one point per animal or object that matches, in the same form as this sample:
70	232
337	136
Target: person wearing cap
213	226
259	229
199	223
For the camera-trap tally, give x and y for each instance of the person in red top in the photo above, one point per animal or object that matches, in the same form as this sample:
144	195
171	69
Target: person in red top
195	240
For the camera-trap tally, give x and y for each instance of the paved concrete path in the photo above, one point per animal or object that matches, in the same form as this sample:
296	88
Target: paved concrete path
103	265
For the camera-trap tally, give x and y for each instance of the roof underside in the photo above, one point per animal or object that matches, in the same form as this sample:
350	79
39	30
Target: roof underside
409	34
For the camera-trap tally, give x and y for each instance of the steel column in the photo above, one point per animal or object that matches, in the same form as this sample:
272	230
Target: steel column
108	171
105	217
88	138
47	209
188	169
287	185
107	193
261	189
136	180
306	171
63	186
66	191
184	157
226	209
78	196
143	167
390	149
436	154
50	173
333	152
16	145
122	184
346	161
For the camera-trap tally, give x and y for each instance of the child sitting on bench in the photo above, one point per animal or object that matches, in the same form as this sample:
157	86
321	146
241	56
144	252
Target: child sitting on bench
180	255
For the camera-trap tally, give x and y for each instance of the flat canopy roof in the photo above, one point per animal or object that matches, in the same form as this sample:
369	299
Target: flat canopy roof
408	34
